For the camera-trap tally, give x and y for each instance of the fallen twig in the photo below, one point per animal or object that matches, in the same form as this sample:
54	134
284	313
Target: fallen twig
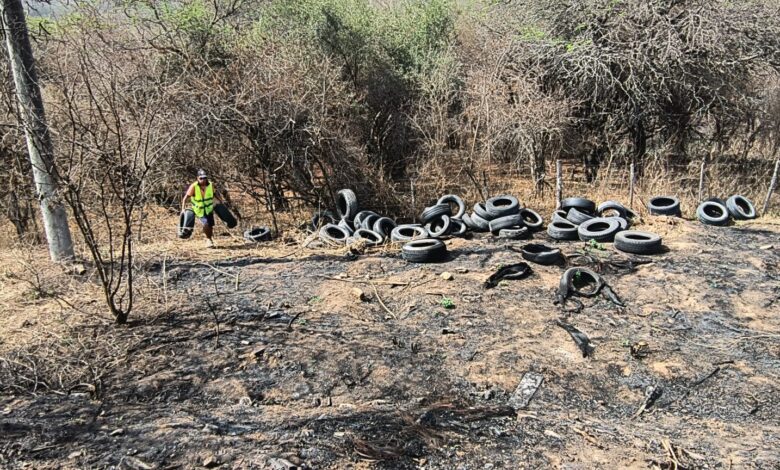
358	281
382	303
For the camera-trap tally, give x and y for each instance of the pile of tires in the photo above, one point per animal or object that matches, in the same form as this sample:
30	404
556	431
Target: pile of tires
716	211
351	224
580	219
504	217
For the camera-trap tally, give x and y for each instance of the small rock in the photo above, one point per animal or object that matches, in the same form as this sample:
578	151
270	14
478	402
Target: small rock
767	247
461	270
136	463
211	461
117	432
75	455
359	294
245	401
447	276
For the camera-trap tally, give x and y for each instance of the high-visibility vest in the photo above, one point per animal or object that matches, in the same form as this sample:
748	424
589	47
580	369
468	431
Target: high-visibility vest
203	205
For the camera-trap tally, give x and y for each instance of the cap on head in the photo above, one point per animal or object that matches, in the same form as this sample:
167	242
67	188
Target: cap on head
202	173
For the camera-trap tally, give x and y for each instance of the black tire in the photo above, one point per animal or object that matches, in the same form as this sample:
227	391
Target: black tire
468	222
371	237
346	204
424	251
225	215
321	218
407	233
458	228
664	205
577	217
439	227
479	209
638	243
501	206
619	208
599	229
346	225
452	198
562	230
740	208
532	219
624	223
334	235
358	219
712	213
430	213
514	233
542	254
186	224
368	221
507	221
571	276
580	203
480	224
559	216
257	234
384	226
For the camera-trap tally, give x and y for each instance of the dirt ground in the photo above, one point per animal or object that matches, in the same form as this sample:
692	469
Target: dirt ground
268	357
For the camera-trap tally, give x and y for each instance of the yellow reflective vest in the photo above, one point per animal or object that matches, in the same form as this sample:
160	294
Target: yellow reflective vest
203	204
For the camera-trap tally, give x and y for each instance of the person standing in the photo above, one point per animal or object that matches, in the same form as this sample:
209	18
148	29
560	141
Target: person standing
201	193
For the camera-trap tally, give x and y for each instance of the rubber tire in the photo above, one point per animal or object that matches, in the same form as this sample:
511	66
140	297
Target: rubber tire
258	234
541	254
397	237
371	237
466	219
360	216
443	222
346	225
736	205
507	221
186	224
328	232
638	243
605	235
318	217
624	223
424	251
577	217
482	225
664	205
559	216
612	205
368	221
346	204
707	219
514	233
446	199
511	207
430	213
384	226
480	210
562	231
225	215
458	228
580	203
566	284
536	223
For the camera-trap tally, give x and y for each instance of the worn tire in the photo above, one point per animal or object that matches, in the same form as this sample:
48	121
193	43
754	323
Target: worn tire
424	251
356	221
346	225
624	223
567	288
384	226
577	217
532	219
562	230
612	206
368	221
740	208
186	224
452	198
712	213
580	203
407	233
439	227
432	212
371	237
559	216
458	228
599	229
225	215
320	218
346	204
479	209
541	254
334	235
507	221
638	243
664	205
257	234
480	224
501	206
514	233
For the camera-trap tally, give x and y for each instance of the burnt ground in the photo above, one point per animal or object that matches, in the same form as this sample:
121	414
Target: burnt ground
267	362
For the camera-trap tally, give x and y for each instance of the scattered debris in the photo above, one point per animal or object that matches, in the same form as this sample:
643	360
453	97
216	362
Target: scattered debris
652	393
525	390
767	247
575	283
447	276
211	461
359	294
639	350
580	339
513	272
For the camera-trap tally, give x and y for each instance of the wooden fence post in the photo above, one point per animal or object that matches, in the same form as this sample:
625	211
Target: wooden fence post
558	184
631	181
771	187
702	173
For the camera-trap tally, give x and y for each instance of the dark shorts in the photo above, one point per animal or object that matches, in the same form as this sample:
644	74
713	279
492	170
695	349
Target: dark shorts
207	220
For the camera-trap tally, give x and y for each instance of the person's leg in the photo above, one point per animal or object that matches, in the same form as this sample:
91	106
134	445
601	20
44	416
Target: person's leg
208	228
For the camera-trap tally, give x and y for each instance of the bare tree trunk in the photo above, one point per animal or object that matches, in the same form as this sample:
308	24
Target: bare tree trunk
39	147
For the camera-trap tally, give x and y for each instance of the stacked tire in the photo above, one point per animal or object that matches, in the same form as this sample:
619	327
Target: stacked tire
716	211
580	219
353	224
504	217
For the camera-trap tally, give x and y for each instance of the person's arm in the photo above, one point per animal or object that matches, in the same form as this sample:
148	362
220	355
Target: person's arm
190	192
218	195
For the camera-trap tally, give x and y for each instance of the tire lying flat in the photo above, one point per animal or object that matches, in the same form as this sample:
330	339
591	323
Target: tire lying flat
599	229
637	242
664	205
426	250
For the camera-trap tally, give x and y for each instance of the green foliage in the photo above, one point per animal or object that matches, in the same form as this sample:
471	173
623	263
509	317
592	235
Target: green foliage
595	245
447	303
